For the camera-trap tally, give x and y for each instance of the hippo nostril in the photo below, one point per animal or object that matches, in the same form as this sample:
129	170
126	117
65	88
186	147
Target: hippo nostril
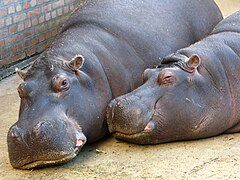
16	133
39	125
40	128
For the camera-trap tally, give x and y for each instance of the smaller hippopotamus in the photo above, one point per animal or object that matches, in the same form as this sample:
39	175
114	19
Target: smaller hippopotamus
194	93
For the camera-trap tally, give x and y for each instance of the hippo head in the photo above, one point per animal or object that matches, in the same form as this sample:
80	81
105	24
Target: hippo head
167	107
54	118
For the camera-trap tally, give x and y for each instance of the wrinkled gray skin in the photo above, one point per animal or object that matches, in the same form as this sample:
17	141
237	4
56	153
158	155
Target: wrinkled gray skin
100	54
194	93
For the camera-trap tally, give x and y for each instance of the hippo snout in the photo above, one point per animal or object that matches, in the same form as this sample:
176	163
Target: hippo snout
44	143
117	112
126	116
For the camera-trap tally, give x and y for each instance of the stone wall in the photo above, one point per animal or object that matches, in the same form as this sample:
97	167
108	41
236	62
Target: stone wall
27	26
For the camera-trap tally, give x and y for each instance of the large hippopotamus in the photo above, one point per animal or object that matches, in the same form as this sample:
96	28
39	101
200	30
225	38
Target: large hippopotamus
193	93
100	54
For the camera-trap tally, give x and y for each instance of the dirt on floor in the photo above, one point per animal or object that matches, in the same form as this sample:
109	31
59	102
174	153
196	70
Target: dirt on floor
212	158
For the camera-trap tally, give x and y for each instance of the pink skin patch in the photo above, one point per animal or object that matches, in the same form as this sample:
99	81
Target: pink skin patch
79	143
80	139
149	127
119	102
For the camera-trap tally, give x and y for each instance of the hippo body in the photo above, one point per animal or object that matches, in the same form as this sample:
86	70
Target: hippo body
194	93
100	54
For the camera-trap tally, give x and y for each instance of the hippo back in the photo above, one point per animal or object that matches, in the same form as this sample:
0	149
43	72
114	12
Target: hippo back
135	22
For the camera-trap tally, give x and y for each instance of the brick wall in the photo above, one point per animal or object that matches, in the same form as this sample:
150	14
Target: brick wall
27	26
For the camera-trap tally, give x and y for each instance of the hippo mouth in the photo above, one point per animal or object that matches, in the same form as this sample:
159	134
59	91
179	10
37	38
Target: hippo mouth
49	157
40	163
64	156
138	136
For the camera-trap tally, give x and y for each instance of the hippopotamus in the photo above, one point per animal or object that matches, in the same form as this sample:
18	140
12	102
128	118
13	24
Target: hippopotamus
99	55
193	93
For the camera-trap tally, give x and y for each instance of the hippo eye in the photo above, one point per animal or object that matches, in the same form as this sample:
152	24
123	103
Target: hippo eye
166	78
60	83
64	83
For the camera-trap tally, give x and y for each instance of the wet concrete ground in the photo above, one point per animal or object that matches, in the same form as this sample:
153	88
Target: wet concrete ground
212	158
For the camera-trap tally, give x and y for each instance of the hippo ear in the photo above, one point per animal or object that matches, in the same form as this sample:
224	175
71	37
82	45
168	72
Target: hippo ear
193	62
76	62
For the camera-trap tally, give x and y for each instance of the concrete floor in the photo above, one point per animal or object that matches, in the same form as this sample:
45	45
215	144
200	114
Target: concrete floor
212	158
